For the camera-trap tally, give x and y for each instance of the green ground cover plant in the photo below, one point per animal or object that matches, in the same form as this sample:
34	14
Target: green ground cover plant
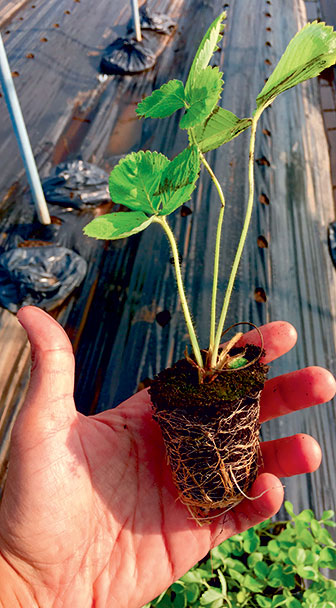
207	405
277	563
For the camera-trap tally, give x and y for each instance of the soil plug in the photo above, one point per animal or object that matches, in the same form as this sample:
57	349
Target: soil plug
207	405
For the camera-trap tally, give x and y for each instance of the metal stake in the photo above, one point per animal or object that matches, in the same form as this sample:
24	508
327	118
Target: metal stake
21	134
136	20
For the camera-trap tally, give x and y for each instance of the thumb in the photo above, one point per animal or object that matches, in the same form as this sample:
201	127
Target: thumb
49	401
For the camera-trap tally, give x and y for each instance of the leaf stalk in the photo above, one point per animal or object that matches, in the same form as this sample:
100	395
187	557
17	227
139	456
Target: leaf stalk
217	253
193	339
242	239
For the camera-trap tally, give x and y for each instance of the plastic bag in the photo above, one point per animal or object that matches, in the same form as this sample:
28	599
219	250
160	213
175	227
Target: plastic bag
76	184
43	276
126	56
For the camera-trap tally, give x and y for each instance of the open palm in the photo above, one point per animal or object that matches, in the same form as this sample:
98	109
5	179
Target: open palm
90	516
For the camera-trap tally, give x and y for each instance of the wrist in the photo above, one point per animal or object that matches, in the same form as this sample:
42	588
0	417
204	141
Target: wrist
15	592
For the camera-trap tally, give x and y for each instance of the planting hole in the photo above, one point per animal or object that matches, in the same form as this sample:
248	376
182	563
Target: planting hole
185	211
15	74
30	55
262	242
267	132
67	13
163	318
263	162
268	29
260	295
263	199
267	43
268	62
268	15
43	39
56	25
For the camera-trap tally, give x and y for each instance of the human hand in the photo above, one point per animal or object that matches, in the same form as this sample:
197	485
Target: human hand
90	515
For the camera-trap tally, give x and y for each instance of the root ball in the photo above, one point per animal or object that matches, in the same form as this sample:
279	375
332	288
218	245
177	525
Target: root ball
211	432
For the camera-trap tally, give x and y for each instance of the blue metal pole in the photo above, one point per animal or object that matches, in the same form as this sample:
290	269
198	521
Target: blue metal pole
21	134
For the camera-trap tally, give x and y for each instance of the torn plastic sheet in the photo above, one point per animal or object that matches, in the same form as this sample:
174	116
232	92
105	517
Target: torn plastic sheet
42	276
127	56
76	184
157	22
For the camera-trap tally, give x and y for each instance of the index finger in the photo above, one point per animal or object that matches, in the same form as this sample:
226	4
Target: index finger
279	338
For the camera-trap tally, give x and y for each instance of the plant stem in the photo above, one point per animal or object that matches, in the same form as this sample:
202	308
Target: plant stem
241	240
217	252
163	222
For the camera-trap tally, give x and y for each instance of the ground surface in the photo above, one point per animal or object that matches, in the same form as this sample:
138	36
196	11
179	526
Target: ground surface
125	321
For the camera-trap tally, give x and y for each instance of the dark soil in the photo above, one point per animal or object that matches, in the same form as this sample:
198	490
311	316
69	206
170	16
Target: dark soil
211	432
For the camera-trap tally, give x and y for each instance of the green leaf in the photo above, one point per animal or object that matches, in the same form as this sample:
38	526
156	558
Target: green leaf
293	603
117	225
261	570
306	515
179	601
252	583
212	597
178	180
163	101
135	179
289	508
236	564
192	593
312	597
306	539
237	576
328	515
327	558
198	575
206	49
163	595
263	602
331	594
223	583
273	548
306	572
251	541
164	601
297	555
219	554
279	600
202	97
254	558
321	534
311	50
219	128
279	577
